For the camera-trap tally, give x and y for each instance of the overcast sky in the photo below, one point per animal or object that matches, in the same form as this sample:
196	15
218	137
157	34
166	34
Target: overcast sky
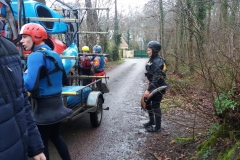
120	2
123	5
131	2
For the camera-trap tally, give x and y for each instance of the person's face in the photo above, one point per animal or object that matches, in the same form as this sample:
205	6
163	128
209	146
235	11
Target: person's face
27	42
149	52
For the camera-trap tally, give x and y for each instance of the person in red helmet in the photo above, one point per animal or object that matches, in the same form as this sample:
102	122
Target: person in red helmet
44	78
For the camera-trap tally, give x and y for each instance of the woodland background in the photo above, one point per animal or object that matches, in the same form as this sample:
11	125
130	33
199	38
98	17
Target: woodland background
200	41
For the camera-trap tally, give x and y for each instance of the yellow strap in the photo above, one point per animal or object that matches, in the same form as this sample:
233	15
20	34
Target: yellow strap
69	93
63	93
164	67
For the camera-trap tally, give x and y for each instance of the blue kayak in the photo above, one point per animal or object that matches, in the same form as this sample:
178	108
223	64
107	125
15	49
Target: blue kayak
82	95
72	50
37	10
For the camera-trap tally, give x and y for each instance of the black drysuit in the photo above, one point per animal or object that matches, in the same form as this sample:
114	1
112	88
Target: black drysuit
156	76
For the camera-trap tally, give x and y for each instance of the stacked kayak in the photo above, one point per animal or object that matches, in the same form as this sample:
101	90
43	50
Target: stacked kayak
72	50
39	10
82	95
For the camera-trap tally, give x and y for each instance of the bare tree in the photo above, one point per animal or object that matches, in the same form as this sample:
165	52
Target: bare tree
92	23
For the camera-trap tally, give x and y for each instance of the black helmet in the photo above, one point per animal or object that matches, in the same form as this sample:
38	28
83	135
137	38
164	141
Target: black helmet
154	45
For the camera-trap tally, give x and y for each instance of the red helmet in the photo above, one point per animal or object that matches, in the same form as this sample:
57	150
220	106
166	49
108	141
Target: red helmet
36	31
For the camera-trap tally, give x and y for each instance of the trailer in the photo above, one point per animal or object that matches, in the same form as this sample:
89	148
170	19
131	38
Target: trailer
81	99
85	99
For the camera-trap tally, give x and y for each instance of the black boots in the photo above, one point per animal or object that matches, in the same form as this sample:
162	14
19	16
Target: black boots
148	124
153	129
151	120
156	112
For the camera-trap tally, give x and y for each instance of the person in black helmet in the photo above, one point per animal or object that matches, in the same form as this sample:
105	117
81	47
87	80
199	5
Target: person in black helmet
155	74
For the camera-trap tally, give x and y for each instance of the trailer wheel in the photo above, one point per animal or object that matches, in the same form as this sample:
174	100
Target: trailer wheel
96	117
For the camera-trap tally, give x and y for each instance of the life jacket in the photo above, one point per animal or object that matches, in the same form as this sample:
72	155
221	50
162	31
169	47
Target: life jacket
98	64
150	76
164	69
54	84
85	62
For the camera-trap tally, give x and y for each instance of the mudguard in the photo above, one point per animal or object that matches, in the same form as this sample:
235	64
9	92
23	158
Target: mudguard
92	99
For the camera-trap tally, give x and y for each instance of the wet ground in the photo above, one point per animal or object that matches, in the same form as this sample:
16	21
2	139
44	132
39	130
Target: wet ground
120	135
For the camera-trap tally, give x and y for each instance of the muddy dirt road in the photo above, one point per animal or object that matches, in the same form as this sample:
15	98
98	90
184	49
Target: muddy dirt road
120	135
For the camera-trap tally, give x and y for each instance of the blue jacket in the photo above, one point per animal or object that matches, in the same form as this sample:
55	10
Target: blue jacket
19	136
100	65
36	80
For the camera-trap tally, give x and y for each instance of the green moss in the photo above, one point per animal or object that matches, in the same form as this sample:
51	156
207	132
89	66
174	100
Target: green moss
206	148
206	145
220	156
223	131
228	154
182	139
238	158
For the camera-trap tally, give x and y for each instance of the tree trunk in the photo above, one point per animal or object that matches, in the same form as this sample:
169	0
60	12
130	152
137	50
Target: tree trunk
190	38
224	21
92	24
176	49
182	32
162	28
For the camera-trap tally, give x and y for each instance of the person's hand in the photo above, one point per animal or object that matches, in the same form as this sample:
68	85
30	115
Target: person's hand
146	94
40	156
72	70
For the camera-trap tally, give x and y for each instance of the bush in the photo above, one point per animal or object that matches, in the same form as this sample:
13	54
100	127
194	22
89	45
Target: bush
228	108
224	102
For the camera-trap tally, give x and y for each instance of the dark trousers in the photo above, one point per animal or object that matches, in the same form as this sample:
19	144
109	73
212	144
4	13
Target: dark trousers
154	110
52	132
